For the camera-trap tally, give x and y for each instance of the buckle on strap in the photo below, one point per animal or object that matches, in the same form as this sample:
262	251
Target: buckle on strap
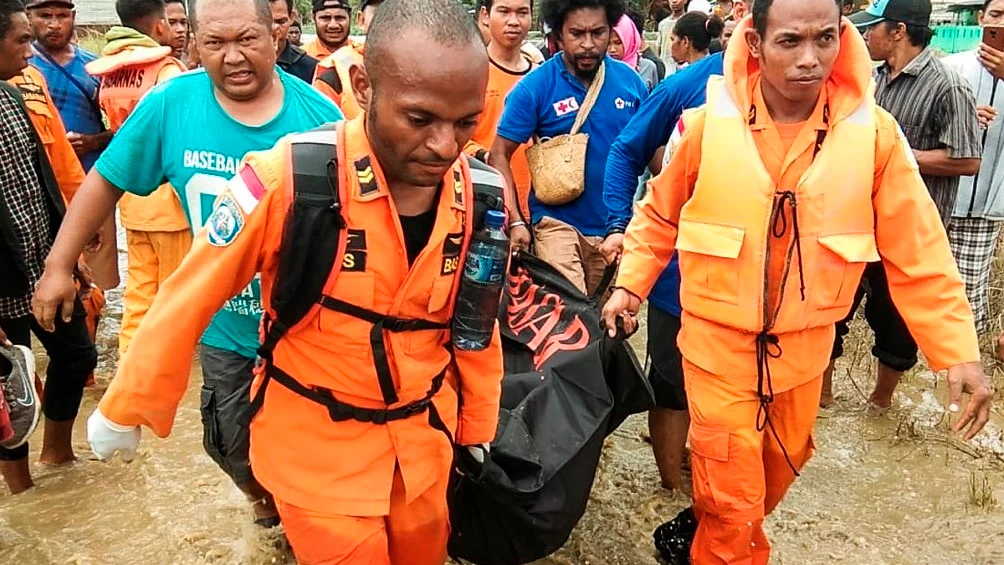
378	343
340	411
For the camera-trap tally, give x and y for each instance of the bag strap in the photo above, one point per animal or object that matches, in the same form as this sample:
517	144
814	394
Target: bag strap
591	95
313	239
87	95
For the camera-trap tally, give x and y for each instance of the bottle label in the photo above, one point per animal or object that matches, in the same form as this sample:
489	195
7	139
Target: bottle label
483	268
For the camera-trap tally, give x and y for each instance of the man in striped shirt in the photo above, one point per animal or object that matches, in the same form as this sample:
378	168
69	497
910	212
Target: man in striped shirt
937	112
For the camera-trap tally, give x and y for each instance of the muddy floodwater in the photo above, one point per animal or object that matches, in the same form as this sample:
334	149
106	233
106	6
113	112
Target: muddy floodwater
891	488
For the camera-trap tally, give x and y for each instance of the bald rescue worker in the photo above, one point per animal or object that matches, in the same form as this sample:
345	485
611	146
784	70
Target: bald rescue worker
137	57
771	263
353	432
332	77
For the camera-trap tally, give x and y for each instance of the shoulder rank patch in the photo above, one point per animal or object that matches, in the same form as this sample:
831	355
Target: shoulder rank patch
226	221
451	253
367	179
247	189
458	187
354	260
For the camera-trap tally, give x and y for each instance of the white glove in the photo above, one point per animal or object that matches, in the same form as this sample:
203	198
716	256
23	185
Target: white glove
478	452
107	437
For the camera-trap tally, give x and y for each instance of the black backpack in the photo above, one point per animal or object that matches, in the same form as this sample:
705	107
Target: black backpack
313	245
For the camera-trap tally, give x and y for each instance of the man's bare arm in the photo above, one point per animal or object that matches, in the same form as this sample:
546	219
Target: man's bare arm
55	294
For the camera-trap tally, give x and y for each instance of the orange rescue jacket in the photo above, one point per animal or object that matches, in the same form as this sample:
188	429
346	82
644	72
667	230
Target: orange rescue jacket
45	117
500	83
316	49
332	78
126	75
297	451
859	199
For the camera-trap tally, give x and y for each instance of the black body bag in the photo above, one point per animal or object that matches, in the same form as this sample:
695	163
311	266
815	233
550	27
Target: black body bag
567	386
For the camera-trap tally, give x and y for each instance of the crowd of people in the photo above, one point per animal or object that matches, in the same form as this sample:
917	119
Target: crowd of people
753	173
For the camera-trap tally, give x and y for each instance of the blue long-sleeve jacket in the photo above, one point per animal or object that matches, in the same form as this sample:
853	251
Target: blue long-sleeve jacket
631	152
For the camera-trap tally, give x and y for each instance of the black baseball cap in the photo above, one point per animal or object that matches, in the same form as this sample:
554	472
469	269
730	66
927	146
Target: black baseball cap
910	12
365	3
319	5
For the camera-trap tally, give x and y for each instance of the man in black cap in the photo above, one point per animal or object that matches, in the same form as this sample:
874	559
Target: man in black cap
937	112
333	78
331	18
290	58
62	63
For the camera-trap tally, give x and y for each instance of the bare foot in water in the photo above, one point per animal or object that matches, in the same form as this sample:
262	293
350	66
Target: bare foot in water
885	387
826	399
826	396
57	448
55	459
265	513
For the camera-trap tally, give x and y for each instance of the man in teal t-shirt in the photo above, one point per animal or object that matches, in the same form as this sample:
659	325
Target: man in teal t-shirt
192	131
197	152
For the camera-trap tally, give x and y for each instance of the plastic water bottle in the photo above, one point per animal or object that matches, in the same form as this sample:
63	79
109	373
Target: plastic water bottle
481	285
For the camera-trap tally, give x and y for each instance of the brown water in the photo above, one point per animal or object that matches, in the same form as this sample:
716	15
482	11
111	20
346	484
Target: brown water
882	489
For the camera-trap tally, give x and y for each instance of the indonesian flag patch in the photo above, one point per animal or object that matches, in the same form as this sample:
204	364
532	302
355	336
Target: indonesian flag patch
247	189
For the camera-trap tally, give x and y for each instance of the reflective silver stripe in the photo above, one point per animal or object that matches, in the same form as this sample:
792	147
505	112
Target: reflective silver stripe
489	177
724	106
862	115
318	136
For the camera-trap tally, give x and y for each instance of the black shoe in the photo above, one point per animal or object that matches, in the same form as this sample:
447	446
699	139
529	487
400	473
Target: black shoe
674	538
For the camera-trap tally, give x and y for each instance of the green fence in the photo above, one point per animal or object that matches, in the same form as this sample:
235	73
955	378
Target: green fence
955	38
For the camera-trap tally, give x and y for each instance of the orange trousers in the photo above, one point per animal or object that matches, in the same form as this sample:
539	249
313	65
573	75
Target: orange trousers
153	256
740	474
412	534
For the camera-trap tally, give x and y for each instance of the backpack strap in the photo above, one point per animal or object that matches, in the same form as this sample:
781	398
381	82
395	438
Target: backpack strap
329	76
313	238
489	191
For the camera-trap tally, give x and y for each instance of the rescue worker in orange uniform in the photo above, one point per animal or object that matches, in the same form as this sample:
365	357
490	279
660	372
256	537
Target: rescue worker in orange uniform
333	75
508	22
333	78
332	21
368	486
69	174
137	58
780	191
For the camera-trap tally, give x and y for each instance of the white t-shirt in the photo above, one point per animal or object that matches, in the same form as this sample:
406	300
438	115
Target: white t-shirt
702	6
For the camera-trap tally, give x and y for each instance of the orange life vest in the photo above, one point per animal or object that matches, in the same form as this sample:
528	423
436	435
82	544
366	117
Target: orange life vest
125	77
45	117
333	79
725	227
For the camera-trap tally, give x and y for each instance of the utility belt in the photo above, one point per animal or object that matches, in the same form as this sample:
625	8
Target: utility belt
341	411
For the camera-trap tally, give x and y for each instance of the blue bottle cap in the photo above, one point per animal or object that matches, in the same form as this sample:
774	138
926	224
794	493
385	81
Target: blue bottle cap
494	219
